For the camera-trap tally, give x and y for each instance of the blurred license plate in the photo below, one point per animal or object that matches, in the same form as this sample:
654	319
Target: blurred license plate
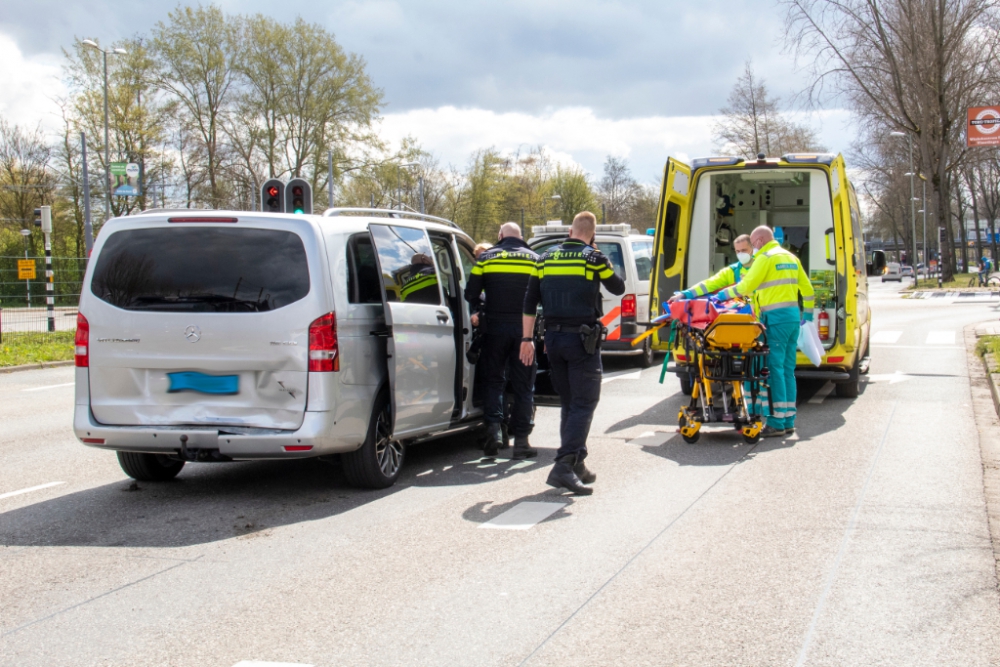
203	384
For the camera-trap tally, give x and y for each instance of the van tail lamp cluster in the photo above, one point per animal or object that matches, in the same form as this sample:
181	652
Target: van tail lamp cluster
323	357
81	357
297	448
92	441
628	305
681	357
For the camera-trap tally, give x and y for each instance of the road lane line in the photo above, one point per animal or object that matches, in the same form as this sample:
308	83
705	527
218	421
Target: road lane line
11	494
523	516
918	347
622	375
941	338
886	337
823	392
257	663
51	386
851	525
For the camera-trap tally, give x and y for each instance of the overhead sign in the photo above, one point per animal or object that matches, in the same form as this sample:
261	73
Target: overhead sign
983	127
126	179
26	269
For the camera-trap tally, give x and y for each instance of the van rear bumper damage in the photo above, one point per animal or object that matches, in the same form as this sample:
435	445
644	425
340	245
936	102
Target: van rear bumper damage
340	430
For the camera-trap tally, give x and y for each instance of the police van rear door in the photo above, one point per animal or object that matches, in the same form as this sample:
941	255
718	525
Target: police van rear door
672	229
420	331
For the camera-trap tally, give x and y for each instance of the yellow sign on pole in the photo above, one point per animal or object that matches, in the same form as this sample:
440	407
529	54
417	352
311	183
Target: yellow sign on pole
26	269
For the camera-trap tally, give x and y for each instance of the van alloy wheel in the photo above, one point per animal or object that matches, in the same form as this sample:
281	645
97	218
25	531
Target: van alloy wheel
388	452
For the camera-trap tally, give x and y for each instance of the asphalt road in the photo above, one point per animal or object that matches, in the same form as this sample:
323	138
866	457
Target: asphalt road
861	540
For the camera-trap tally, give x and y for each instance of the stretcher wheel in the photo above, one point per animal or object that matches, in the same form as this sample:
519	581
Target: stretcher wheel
693	439
752	441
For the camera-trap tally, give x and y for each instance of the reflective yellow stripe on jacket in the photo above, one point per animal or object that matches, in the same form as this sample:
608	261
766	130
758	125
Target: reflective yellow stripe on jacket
776	279
720	280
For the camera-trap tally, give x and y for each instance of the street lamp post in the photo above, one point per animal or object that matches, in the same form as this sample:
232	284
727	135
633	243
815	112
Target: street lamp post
107	144
555	199
913	214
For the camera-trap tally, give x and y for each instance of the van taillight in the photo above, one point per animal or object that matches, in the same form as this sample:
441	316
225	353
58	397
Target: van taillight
82	355
323	345
628	305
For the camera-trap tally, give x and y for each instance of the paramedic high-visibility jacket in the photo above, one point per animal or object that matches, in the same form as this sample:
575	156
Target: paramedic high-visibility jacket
775	280
730	275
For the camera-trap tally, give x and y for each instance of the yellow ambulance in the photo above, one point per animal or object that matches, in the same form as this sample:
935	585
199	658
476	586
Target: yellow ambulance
812	207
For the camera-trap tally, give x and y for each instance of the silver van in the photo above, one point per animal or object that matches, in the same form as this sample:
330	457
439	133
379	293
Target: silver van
218	336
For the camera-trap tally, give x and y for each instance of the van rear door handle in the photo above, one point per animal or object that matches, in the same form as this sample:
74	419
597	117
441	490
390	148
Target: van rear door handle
442	317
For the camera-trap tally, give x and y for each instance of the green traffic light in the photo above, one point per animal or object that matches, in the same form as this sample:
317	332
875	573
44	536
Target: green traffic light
299	211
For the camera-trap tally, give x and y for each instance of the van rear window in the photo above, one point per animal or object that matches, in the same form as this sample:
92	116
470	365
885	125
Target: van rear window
206	270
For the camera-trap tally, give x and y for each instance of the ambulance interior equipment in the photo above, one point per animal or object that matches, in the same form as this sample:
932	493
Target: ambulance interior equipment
793	202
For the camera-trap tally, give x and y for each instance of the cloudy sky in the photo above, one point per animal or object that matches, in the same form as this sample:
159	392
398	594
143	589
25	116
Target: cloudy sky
584	78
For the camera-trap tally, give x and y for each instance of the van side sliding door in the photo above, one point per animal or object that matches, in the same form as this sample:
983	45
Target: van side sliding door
673	225
421	343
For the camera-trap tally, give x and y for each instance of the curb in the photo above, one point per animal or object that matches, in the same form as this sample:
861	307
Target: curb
35	367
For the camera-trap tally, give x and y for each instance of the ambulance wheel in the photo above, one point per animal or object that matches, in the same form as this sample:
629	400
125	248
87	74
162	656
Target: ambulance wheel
646	358
852	387
687	383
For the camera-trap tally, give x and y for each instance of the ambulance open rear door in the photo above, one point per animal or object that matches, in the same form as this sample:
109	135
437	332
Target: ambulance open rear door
673	222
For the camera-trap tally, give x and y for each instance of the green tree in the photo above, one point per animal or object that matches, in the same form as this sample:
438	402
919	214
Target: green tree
575	193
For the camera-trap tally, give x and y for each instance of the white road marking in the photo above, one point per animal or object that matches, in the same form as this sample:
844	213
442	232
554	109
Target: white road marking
51	386
523	516
919	347
886	337
941	338
426	472
257	663
824	391
11	494
891	378
622	375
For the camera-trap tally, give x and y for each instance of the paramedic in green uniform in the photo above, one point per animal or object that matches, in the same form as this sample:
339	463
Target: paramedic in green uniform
730	275
776	280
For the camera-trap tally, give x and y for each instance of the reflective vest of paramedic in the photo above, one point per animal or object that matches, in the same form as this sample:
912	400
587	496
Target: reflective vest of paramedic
776	279
730	275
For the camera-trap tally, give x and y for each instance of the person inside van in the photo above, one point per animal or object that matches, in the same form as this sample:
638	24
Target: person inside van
730	275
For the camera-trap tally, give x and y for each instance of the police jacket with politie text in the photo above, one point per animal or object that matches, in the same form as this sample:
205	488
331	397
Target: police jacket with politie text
567	281
503	272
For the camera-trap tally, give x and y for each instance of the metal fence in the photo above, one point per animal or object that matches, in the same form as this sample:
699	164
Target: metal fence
24	316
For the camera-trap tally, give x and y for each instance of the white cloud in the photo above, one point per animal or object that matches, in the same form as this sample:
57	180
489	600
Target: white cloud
29	87
577	135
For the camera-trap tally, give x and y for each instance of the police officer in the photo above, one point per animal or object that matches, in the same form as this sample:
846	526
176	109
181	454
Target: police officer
777	281
421	283
567	282
503	272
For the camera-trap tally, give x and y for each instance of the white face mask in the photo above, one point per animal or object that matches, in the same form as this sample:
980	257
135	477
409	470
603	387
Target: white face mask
755	251
744	257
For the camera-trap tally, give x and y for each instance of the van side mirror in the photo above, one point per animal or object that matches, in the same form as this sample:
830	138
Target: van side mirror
877	265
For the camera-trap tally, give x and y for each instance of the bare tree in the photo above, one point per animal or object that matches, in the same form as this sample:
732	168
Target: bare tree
911	65
618	190
753	124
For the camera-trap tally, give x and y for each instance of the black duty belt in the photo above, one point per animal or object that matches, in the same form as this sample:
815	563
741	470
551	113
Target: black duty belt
563	328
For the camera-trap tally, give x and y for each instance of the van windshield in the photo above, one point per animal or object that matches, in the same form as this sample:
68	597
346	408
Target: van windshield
204	269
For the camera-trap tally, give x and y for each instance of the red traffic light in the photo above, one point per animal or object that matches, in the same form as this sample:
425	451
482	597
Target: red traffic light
297	191
273	191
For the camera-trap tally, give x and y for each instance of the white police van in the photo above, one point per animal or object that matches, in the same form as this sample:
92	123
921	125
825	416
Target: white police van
217	336
631	255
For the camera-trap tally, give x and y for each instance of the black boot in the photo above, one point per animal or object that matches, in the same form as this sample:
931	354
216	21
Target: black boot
493	438
586	476
522	449
562	476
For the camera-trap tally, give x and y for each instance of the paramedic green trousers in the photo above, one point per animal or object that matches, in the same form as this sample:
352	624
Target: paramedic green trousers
782	339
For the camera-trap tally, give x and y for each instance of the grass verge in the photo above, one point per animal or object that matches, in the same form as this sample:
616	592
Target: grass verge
56	346
959	281
989	345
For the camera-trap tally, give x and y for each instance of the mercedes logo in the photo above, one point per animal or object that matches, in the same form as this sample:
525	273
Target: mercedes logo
193	333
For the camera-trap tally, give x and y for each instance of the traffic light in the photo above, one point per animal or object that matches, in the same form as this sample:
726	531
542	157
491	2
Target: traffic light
272	196
38	217
298	197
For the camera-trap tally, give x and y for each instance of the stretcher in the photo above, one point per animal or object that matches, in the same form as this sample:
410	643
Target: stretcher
727	345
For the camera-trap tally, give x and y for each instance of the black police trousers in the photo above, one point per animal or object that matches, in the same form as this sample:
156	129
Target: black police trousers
576	377
503	369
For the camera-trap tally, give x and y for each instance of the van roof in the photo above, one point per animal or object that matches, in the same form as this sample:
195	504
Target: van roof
556	228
